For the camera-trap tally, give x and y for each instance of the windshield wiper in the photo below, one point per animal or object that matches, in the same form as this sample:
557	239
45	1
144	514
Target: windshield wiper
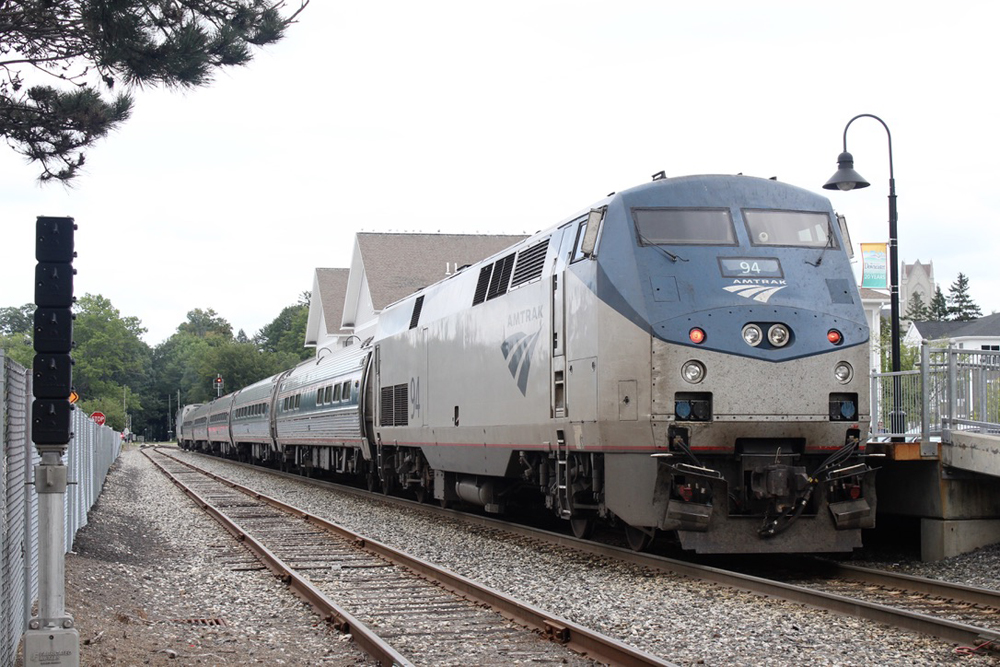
670	255
829	244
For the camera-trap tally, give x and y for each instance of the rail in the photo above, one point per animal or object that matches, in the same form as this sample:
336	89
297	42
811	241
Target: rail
561	630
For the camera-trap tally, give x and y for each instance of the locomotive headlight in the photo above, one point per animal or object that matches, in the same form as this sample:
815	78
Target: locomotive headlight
843	372
752	335
693	371
778	335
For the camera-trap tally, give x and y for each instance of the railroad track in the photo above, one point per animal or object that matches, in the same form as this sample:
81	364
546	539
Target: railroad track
399	609
967	606
960	615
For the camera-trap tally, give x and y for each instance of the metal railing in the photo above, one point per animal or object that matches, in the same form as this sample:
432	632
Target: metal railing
90	455
953	390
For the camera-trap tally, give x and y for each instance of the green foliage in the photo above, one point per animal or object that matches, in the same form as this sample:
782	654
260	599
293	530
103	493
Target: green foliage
916	310
112	363
938	311
18	347
961	307
17	319
909	357
80	43
118	374
286	334
16	330
206	324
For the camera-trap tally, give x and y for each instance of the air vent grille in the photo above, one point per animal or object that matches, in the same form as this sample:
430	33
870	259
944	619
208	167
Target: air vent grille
394	403
530	263
417	307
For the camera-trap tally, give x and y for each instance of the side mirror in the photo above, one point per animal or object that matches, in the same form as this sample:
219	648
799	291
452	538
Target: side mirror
846	235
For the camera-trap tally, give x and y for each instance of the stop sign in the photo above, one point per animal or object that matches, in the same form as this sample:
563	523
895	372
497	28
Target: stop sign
98	418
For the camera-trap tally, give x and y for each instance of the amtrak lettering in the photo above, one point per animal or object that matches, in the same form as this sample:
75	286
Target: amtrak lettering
524	316
758	289
517	349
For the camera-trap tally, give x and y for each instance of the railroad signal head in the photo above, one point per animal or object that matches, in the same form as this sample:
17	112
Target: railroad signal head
54	239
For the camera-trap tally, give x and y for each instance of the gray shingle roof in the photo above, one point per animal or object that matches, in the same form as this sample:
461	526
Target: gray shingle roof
398	265
984	326
333	290
875	295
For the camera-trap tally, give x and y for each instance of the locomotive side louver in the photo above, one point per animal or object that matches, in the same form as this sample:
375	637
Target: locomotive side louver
501	276
483	284
493	279
417	307
530	263
394	402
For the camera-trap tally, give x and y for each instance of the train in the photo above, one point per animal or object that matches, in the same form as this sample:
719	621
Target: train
686	358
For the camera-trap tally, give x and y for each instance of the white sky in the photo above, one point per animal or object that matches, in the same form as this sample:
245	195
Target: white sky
464	117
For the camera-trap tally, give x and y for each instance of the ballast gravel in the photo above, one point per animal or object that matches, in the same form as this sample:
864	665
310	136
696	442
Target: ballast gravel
149	556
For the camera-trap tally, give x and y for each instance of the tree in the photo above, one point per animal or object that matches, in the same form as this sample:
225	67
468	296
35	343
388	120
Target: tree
916	310
961	307
286	334
206	324
87	47
110	359
17	325
938	310
17	319
909	357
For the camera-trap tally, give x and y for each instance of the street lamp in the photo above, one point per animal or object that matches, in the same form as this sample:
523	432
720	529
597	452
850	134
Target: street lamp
848	179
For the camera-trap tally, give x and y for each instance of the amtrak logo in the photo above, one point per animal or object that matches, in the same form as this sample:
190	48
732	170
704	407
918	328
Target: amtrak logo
517	350
759	290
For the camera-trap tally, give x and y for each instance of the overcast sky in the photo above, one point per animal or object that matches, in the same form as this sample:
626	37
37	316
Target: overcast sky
464	117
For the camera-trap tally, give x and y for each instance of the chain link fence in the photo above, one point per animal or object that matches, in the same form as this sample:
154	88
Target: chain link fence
90	455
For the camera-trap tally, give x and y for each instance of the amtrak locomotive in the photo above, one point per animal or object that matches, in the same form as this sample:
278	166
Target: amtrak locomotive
688	356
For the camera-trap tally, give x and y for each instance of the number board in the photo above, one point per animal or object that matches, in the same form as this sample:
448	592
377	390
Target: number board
750	267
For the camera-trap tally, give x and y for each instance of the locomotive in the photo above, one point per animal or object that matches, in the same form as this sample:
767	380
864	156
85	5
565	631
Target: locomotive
687	356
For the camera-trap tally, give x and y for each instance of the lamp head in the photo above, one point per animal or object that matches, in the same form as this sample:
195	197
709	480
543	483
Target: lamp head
846	178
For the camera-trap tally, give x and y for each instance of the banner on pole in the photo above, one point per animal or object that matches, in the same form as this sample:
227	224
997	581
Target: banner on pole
874	266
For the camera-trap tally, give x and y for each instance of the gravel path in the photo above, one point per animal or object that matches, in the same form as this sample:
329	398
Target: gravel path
148	550
151	570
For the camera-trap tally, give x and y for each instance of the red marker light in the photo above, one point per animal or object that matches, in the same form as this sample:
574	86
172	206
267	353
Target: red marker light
697	336
834	336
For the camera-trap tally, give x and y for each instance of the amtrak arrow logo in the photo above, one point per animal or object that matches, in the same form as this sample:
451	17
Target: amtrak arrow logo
756	292
517	350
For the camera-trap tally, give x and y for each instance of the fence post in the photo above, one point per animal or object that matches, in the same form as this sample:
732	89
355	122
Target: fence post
951	389
927	448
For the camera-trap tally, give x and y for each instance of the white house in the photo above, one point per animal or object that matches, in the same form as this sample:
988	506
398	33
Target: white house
978	334
384	269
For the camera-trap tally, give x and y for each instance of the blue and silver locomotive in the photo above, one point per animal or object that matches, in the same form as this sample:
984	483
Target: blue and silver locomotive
687	356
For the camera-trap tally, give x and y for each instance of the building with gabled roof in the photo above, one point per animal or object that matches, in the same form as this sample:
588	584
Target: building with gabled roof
916	279
979	334
387	267
326	309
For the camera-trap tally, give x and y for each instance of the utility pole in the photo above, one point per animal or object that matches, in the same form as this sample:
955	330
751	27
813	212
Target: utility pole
52	638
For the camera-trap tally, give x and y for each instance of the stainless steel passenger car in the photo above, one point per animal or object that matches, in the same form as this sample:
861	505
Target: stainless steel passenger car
686	356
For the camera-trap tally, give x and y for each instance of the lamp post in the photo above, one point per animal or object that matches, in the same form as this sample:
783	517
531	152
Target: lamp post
848	179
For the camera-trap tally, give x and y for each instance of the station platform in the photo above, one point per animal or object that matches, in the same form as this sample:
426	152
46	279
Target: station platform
952	487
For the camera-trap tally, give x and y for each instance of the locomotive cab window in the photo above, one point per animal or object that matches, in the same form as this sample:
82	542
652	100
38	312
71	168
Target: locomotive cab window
687	226
801	229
